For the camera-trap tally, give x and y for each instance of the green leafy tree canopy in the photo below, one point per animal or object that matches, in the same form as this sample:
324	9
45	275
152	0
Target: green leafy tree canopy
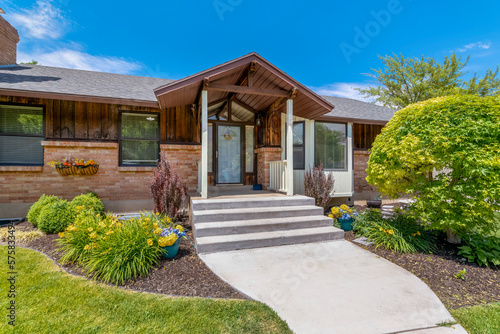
445	153
403	81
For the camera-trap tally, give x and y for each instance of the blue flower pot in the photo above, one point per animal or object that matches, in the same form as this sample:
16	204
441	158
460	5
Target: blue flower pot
346	224
169	252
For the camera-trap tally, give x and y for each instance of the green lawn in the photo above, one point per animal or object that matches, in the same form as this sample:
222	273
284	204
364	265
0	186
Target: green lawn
51	301
479	319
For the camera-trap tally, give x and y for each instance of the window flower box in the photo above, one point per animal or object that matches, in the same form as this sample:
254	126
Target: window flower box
76	167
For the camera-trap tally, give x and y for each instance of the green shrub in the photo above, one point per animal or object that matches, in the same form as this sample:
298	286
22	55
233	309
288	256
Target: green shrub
89	200
77	236
482	250
130	251
112	250
445	153
35	209
56	216
401	232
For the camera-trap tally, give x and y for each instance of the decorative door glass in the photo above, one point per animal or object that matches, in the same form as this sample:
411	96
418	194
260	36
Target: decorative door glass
229	154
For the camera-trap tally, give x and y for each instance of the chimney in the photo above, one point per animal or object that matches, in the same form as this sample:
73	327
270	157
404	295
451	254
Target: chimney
8	42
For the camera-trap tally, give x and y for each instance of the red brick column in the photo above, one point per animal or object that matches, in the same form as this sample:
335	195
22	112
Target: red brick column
264	156
185	158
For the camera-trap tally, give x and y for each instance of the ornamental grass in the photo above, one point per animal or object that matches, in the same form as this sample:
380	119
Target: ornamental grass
111	250
400	233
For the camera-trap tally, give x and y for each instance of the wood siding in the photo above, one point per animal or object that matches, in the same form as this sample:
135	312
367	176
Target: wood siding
364	135
76	120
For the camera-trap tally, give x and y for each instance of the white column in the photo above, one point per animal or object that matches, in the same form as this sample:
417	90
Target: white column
289	145
204	144
350	155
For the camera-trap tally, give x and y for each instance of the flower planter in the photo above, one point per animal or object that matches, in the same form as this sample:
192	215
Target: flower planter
374	203
170	252
88	170
346	224
66	171
73	170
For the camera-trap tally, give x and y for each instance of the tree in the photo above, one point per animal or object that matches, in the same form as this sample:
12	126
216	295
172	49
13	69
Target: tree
404	81
32	62
445	153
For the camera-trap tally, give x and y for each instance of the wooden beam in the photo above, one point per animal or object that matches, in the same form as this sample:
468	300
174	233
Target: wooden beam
246	106
247	90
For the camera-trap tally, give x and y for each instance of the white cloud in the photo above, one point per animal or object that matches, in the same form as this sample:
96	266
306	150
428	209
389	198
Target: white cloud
43	21
69	58
477	45
343	89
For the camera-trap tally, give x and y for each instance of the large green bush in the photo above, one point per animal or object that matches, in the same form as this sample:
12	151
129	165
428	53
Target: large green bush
56	216
35	209
445	153
89	200
482	250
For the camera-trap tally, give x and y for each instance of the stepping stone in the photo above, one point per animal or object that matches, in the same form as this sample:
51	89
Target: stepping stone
363	241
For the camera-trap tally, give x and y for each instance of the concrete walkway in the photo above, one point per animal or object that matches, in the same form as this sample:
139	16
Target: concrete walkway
333	287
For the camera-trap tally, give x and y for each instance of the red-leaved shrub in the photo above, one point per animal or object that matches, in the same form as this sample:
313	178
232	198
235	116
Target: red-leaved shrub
168	191
319	185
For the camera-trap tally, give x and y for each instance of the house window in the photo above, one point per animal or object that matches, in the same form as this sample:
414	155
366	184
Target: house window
139	139
21	134
299	157
330	145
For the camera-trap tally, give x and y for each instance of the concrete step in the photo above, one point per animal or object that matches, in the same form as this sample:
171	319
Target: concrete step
210	216
260	225
266	239
249	202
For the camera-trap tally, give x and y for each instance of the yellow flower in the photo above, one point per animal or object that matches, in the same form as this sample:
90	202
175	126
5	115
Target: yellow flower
90	229
330	215
390	232
381	229
109	232
93	235
180	228
157	213
157	231
155	225
169	240
344	207
169	220
118	224
87	247
418	233
61	234
101	224
150	242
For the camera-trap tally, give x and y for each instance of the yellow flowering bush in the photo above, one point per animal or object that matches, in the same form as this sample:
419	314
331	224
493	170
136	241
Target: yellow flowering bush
400	233
112	250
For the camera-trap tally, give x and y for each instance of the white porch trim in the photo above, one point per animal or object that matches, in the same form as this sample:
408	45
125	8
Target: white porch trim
289	146
204	144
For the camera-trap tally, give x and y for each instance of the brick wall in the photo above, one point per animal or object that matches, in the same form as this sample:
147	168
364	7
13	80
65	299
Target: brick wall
184	158
265	155
111	183
360	164
8	41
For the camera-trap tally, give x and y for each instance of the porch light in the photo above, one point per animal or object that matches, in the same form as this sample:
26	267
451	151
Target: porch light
258	120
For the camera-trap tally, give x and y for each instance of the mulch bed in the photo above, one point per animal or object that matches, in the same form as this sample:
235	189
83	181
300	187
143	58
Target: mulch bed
185	275
481	286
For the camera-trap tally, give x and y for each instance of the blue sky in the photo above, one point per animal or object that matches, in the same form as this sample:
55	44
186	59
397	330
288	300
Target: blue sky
327	45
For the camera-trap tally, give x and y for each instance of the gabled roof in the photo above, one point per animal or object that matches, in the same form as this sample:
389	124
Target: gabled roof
349	110
265	77
69	84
